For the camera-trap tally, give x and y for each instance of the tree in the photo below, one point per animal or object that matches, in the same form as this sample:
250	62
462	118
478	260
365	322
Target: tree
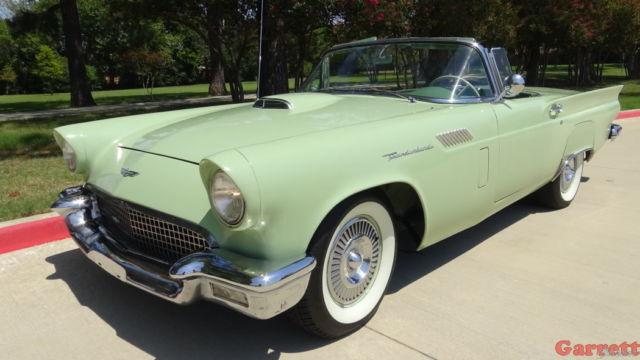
7	57
147	65
50	68
239	39
623	36
274	78
307	24
79	82
537	29
204	17
358	19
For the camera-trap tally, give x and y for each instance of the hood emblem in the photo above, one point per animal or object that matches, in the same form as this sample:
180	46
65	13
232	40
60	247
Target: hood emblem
128	173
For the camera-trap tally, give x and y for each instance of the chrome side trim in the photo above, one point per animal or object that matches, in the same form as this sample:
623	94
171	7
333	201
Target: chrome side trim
243	284
454	137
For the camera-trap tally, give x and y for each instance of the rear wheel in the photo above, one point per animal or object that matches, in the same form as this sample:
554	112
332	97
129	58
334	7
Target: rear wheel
356	249
560	193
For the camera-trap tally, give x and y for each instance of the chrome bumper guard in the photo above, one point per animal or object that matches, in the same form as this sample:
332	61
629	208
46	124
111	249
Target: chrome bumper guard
614	131
237	282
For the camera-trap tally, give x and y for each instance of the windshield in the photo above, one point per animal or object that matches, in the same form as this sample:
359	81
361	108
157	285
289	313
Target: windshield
421	70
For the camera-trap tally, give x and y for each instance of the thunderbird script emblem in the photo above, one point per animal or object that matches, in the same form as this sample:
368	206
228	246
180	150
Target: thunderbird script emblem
128	173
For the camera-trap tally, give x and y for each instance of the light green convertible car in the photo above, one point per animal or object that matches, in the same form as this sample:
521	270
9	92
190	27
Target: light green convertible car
298	202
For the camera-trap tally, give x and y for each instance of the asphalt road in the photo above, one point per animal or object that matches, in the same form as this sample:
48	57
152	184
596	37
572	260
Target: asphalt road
509	288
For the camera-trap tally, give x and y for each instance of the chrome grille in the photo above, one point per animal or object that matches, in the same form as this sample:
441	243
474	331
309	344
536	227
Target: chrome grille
147	233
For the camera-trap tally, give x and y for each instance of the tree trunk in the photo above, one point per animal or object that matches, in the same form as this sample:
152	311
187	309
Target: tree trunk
273	75
543	69
533	64
79	82
216	66
633	64
237	90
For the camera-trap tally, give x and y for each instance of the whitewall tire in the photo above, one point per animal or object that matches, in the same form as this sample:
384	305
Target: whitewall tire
559	193
356	249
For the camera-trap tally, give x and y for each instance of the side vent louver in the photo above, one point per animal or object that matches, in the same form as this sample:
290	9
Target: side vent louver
272	104
454	137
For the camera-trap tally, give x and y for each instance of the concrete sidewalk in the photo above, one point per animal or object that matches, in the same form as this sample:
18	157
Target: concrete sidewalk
509	288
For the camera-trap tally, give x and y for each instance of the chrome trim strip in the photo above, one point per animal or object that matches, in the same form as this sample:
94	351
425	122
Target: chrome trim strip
454	137
259	292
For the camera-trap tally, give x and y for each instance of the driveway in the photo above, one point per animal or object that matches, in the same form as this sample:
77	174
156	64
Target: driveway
509	288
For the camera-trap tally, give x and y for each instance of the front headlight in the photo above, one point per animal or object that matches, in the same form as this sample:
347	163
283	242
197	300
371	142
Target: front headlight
227	198
69	156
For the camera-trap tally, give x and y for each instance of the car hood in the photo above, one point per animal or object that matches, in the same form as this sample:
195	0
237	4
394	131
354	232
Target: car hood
202	135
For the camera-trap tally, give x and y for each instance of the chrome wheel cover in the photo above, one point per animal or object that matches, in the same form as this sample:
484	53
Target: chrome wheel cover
354	260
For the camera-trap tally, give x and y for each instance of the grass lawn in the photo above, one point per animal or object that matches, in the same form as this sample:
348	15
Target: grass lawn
613	75
30	185
34	102
35	138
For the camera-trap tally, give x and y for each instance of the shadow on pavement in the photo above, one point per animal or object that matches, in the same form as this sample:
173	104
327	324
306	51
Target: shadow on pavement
411	266
168	331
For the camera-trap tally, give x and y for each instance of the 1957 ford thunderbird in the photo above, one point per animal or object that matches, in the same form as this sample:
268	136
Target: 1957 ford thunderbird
297	202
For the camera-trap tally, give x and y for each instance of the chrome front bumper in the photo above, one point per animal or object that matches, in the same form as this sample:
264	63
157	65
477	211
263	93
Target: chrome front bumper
243	284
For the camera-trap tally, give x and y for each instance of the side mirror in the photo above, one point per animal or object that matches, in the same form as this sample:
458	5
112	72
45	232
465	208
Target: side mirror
514	86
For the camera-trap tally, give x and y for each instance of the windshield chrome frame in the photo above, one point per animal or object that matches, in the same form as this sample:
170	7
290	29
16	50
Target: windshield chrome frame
490	66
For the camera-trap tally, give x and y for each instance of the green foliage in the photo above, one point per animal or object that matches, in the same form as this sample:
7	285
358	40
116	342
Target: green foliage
147	65
50	68
180	37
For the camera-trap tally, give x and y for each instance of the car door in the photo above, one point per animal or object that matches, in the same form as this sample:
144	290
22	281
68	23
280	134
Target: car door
528	140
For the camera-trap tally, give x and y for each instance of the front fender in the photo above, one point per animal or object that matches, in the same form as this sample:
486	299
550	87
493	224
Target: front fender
302	179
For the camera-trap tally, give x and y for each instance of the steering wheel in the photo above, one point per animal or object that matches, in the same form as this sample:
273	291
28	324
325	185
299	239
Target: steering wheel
457	88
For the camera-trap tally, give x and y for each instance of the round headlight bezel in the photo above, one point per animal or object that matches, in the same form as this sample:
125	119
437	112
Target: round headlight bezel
225	193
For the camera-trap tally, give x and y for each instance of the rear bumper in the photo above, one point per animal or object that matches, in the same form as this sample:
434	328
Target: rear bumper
237	282
614	131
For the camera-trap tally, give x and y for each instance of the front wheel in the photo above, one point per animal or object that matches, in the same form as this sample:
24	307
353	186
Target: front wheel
559	193
356	249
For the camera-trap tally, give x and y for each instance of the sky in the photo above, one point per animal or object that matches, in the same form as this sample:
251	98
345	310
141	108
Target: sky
4	12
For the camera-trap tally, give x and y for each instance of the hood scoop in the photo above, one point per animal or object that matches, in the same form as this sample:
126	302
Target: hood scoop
273	103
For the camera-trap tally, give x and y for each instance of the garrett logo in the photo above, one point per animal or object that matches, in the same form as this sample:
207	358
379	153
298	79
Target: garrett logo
564	348
128	173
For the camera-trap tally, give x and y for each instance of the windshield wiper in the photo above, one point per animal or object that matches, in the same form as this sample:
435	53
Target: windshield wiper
367	89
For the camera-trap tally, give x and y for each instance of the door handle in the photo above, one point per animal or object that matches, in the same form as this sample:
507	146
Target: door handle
555	110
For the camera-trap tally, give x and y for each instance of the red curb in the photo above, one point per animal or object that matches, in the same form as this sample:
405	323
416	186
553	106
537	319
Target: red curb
628	114
32	233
